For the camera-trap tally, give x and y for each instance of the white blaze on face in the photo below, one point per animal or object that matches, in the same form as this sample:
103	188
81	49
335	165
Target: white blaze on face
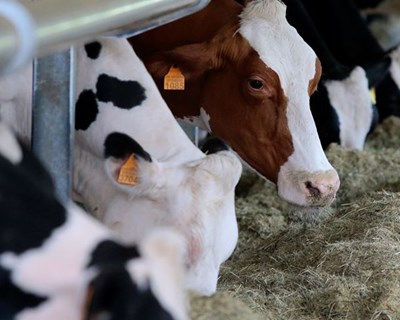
264	25
352	102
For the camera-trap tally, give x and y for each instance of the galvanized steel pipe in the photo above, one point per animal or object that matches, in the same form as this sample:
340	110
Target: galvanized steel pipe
58	24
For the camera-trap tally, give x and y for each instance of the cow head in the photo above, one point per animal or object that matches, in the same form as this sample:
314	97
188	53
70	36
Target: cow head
343	110
250	85
196	198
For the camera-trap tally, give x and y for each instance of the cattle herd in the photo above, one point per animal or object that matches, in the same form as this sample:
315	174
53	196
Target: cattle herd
153	215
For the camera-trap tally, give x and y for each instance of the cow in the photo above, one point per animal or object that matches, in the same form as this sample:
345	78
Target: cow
119	107
196	199
57	262
248	80
346	33
342	107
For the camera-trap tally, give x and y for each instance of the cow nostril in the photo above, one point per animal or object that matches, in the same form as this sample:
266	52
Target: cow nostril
314	191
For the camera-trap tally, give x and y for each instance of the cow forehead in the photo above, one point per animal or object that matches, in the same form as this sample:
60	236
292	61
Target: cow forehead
263	23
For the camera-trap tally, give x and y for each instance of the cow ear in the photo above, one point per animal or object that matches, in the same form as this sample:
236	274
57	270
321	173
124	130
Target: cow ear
223	165
126	160
193	60
377	71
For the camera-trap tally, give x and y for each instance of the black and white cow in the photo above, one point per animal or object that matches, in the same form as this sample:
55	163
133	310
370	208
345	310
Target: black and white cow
60	263
119	108
347	35
341	106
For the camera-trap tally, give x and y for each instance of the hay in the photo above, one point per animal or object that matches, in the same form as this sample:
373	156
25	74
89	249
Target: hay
345	268
343	264
221	306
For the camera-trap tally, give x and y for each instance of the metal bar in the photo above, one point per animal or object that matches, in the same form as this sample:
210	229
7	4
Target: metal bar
59	24
53	116
191	131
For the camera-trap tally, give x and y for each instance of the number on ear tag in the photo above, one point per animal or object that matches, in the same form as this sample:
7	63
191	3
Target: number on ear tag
174	79
128	172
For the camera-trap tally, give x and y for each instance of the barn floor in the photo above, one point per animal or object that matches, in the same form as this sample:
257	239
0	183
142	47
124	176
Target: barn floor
342	262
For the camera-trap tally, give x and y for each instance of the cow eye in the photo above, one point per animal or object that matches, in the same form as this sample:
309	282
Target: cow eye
256	84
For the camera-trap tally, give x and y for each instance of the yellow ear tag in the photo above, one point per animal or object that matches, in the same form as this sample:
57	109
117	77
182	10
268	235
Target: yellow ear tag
174	79
127	173
372	95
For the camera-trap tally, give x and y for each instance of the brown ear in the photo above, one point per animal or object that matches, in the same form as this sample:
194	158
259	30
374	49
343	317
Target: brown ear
193	60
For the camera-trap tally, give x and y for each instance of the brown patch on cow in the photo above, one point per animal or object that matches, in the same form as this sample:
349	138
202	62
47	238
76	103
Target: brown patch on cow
313	84
266	143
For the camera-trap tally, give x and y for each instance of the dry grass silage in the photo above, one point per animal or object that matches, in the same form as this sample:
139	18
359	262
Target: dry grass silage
345	265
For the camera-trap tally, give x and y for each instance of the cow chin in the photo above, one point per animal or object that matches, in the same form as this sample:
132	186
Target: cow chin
317	189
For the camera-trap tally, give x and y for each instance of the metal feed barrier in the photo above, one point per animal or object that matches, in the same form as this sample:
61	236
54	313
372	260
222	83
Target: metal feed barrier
46	31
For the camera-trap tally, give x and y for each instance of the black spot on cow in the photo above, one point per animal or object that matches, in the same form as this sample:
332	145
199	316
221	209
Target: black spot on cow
93	49
123	94
110	252
86	110
13	299
114	293
30	211
120	145
214	145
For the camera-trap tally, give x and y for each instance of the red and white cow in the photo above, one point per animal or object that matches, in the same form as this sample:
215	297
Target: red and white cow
248	80
117	104
61	263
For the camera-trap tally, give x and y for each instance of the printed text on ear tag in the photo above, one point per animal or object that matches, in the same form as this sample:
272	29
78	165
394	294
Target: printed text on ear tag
128	172
174	79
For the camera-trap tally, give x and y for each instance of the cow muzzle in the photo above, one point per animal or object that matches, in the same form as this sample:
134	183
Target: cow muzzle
315	189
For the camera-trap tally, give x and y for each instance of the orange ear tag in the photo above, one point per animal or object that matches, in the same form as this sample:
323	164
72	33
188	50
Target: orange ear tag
174	79
372	95
127	173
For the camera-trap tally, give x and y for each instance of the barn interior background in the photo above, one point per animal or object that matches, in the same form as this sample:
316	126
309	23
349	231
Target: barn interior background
341	263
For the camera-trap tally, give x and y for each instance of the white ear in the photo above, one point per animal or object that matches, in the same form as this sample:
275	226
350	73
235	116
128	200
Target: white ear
224	166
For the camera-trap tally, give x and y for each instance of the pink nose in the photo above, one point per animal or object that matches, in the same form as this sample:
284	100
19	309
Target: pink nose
321	187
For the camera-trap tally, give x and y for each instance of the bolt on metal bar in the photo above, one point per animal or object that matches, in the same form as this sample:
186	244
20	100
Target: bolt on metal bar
53	116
